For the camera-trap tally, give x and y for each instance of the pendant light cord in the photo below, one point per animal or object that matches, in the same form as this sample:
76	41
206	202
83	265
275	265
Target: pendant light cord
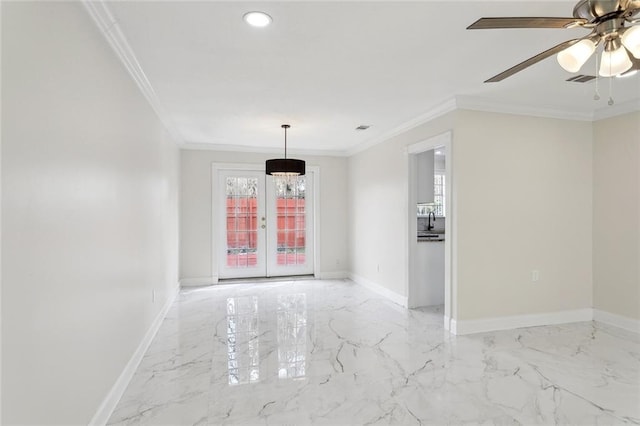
285	127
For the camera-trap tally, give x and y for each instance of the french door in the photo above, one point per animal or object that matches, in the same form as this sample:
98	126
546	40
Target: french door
266	224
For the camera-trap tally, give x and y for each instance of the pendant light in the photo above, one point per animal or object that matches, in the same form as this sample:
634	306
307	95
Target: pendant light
285	167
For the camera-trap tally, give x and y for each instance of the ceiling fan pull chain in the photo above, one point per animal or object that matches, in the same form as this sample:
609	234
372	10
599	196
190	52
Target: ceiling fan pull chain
596	96
610	102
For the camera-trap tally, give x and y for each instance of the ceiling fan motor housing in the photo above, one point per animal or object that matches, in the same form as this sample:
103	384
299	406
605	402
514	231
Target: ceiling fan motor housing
597	11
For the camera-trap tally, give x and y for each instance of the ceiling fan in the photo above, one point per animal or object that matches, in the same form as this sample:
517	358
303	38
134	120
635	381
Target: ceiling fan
612	25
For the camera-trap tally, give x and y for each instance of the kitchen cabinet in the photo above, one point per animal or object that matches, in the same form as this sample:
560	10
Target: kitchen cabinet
430	273
425	176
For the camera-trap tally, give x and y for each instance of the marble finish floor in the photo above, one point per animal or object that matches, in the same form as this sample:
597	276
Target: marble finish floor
331	352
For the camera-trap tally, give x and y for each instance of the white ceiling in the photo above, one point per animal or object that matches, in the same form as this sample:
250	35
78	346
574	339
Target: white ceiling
327	67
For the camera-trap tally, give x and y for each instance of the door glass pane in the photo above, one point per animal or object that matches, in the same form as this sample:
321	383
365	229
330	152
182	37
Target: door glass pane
291	230
242	221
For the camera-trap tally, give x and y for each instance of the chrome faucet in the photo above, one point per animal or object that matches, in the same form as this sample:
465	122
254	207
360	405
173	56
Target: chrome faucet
430	226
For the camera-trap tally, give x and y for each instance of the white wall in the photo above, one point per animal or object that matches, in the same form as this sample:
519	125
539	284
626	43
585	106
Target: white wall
522	192
616	216
378	208
523	200
89	214
196	244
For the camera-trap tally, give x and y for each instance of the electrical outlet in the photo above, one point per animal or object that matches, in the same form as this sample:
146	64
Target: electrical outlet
378	267
535	276
153	296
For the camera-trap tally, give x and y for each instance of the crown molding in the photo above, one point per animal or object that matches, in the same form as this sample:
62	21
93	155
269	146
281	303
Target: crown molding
452	104
502	107
616	110
481	104
108	26
486	105
439	110
202	146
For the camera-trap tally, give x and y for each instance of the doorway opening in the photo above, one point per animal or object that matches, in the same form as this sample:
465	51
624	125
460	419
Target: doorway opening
264	225
431	234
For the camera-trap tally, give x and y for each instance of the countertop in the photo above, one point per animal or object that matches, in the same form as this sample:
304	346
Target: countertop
430	236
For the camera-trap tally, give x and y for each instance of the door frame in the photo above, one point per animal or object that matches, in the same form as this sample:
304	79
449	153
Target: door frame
450	247
215	217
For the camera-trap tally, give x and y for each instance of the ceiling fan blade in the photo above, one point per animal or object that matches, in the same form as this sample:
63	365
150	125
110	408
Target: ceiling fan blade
533	60
494	23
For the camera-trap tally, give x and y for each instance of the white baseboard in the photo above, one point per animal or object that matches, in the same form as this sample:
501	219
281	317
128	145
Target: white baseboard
109	403
619	321
382	291
198	282
332	275
461	327
453	327
447	323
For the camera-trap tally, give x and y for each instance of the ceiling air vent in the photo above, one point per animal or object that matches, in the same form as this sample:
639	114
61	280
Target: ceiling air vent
362	127
581	78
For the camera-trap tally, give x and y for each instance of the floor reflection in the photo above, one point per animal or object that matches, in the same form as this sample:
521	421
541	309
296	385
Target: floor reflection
292	335
243	346
243	343
407	370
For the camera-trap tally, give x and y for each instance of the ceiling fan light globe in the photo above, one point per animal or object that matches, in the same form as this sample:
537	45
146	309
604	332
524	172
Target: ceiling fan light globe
574	57
631	40
614	62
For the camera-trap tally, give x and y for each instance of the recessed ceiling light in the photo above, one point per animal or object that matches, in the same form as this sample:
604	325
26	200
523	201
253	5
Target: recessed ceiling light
438	152
257	19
